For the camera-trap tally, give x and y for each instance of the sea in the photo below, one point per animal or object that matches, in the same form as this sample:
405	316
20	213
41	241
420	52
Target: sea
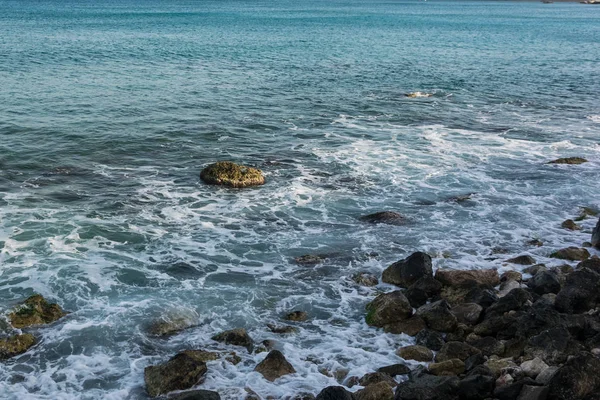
110	109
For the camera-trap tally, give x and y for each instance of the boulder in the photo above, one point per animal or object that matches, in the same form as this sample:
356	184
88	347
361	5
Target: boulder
532	368
522	260
197	395
410	326
467	313
529	392
514	300
437	316
497	365
553	346
571	254
511	276
419	292
377	391
431	339
181	372
570	225
451	367
226	173
428	387
365	279
481	296
334	393
546	375
35	311
576	379
596	236
544	282
15	345
406	272
394	370
385	217
415	352
236	337
474	361
459	350
468	278
388	308
282	329
568	160
274	366
580	293
476	387
506	287
488	345
297	316
373	378
592	263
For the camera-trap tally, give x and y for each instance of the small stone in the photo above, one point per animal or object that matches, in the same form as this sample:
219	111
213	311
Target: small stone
571	254
310	259
274	366
570	225
569	160
522	260
15	345
365	279
447	368
283	329
171	324
532	368
415	352
230	174
236	337
297	316
535	242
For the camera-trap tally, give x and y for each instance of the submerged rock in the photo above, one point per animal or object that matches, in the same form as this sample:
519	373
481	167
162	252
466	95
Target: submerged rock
274	366
171	323
236	337
35	311
365	279
405	272
571	254
181	372
388	308
227	173
568	160
297	316
385	217
310	259
570	225
15	345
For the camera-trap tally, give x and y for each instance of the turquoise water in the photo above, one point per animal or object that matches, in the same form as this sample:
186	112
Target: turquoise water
109	110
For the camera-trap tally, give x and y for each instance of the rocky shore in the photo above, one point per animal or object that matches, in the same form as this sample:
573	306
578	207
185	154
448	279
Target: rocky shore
530	333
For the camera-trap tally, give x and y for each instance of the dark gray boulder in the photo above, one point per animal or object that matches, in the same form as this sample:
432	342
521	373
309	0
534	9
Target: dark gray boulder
395	369
385	217
596	235
274	366
431	339
437	316
580	293
428	387
544	282
196	395
335	393
514	300
405	272
576	379
236	337
181	372
459	350
476	387
388	308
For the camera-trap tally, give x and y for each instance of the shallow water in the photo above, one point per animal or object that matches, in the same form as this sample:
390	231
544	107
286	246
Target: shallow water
108	111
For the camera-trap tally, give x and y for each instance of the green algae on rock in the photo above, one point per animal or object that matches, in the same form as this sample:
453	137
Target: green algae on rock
15	345
181	372
227	173
35	311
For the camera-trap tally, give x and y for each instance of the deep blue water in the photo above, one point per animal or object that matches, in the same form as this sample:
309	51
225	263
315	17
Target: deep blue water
109	110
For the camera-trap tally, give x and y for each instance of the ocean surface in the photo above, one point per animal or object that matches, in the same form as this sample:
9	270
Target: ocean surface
110	109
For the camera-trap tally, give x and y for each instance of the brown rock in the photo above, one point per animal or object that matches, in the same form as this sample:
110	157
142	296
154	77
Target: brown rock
377	391
388	308
35	311
181	372
568	160
447	368
466	278
297	316
467	313
410	326
415	352
570	225
365	279
15	345
522	260
459	350
236	337
274	366
571	253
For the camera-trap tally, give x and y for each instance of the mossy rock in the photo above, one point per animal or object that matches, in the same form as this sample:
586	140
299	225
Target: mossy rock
183	371
227	173
35	311
15	345
569	160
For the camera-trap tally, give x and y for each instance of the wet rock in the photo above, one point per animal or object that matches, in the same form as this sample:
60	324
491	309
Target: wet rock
282	329
568	160
419	292
592	263
571	254
171	324
226	173
297	316
365	279
480	370
577	379
546	375
497	365
580	293
506	287
511	276
377	391
196	395
514	300
415	352
447	368
35	311
596	236
532	368
428	387
544	282
274	366
437	316
406	272
529	392
15	345
181	372
459	350
410	326
388	308
430	339
535	242
522	260
394	370
467	313
377	377
334	393
476	387
236	337
481	296
570	225
468	278
534	269
488	345
552	345
385	217
310	259
473	361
